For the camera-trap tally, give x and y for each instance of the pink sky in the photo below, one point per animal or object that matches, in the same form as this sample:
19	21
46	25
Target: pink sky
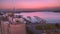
29	4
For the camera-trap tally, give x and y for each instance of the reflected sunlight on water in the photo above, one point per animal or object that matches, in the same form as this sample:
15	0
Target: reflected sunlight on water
50	17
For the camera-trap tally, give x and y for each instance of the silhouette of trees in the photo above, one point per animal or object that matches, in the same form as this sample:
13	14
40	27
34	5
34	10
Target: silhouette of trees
57	25
56	11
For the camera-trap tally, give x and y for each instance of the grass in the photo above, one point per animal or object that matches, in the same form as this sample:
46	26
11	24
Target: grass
47	27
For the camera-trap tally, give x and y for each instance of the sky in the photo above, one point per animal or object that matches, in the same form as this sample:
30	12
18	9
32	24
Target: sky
28	4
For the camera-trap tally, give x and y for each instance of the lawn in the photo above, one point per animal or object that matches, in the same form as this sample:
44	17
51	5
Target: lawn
47	27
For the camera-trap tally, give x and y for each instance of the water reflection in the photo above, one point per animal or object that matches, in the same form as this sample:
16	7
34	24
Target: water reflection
51	17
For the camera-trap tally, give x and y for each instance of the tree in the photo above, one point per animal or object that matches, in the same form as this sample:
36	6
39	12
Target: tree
57	25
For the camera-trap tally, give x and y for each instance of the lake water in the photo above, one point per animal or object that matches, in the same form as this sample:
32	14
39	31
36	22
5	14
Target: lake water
50	17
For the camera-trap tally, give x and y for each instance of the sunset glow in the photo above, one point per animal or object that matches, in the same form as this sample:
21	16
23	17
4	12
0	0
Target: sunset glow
29	4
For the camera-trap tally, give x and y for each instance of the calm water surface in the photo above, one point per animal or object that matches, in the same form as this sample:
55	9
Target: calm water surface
50	17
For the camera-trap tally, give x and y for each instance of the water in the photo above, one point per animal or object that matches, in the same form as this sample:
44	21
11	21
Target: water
50	17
